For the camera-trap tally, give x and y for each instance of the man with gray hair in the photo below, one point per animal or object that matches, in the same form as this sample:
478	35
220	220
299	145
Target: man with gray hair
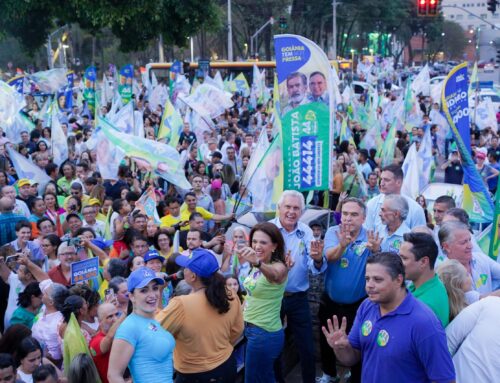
62	273
393	213
296	85
303	254
456	240
8	220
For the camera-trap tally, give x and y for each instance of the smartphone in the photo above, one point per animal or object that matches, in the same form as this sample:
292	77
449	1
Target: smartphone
241	244
109	294
12	258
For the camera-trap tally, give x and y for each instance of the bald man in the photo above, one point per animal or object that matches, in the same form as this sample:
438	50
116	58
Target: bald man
20	206
100	344
8	220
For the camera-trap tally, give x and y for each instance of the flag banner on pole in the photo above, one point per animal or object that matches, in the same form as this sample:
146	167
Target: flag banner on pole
89	79
125	80
240	85
59	141
21	123
27	169
17	83
494	235
209	101
50	81
306	95
11	102
171	125
147	205
476	198
151	155
65	94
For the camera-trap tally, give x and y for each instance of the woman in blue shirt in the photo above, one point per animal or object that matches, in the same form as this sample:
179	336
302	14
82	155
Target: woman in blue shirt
140	342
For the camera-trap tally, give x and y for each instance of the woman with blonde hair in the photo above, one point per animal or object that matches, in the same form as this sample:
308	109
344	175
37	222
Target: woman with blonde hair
457	282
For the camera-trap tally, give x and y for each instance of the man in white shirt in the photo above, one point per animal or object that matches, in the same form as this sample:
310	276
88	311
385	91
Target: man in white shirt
391	181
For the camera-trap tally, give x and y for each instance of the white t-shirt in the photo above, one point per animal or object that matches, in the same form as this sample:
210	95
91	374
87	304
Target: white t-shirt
472	338
15	288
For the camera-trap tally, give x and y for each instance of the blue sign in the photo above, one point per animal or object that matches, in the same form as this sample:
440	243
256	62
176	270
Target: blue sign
84	270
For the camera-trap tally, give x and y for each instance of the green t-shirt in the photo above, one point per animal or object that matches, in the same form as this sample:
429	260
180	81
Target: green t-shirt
263	301
22	316
433	294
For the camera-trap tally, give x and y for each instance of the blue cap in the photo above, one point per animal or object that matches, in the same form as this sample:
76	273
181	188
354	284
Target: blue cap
201	262
153	254
141	277
102	243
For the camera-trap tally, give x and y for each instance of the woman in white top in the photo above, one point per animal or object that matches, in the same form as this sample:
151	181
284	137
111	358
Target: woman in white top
473	335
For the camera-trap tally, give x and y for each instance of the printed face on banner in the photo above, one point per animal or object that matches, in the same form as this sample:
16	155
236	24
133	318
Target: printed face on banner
304	75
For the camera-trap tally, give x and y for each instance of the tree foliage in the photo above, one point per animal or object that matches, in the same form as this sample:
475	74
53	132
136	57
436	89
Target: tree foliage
134	22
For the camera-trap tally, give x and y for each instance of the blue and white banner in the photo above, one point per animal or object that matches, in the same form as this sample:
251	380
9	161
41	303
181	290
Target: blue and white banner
84	270
455	100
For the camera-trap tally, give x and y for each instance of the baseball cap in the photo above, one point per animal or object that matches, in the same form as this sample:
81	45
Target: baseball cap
94	201
23	182
152	254
141	277
201	262
480	155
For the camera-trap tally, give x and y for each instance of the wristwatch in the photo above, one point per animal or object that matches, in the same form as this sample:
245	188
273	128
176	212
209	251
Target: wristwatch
258	264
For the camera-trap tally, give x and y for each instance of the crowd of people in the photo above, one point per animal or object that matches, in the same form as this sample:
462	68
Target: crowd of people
195	296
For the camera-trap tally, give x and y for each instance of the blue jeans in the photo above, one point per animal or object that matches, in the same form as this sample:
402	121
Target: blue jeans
263	349
299	321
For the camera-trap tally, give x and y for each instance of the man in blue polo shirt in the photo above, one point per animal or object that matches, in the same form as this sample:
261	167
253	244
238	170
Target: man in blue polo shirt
347	247
398	338
298	239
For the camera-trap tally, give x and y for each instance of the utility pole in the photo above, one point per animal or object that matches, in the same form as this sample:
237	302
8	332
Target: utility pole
229	33
334	48
161	52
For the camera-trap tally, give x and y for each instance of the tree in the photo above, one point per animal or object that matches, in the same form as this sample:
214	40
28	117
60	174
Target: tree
134	22
450	40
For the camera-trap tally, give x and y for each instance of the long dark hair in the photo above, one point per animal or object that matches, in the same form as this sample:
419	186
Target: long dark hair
216	292
274	233
24	298
26	346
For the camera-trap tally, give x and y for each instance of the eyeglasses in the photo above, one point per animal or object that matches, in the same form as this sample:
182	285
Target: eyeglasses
72	254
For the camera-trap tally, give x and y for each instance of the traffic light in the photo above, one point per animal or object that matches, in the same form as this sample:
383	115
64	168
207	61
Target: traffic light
432	9
283	22
492	6
498	56
422	7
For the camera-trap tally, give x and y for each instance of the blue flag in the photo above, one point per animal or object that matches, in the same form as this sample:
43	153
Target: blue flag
455	100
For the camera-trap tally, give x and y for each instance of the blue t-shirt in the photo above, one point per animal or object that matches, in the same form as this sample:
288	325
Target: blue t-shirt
345	278
152	360
406	345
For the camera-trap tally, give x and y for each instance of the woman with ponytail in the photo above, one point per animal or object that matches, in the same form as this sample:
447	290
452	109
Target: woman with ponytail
206	323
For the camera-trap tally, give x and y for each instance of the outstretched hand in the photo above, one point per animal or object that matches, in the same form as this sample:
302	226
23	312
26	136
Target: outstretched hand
336	336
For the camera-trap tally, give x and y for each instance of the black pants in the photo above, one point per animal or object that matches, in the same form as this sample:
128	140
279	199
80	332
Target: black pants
225	373
327	309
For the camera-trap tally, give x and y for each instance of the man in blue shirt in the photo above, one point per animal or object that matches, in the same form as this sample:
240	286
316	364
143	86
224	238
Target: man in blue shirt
347	247
8	221
398	338
301	259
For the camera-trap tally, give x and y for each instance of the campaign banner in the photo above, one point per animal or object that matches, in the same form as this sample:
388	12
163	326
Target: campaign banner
125	80
17	83
65	94
89	79
455	100
84	270
306	97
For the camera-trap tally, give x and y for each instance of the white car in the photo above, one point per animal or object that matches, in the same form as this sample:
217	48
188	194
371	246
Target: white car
488	68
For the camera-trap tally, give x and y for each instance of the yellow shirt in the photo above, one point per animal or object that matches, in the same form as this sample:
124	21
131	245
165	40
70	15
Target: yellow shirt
169	221
185	214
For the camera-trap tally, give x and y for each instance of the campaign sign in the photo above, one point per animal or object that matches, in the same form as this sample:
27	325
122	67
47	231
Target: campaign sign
84	270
